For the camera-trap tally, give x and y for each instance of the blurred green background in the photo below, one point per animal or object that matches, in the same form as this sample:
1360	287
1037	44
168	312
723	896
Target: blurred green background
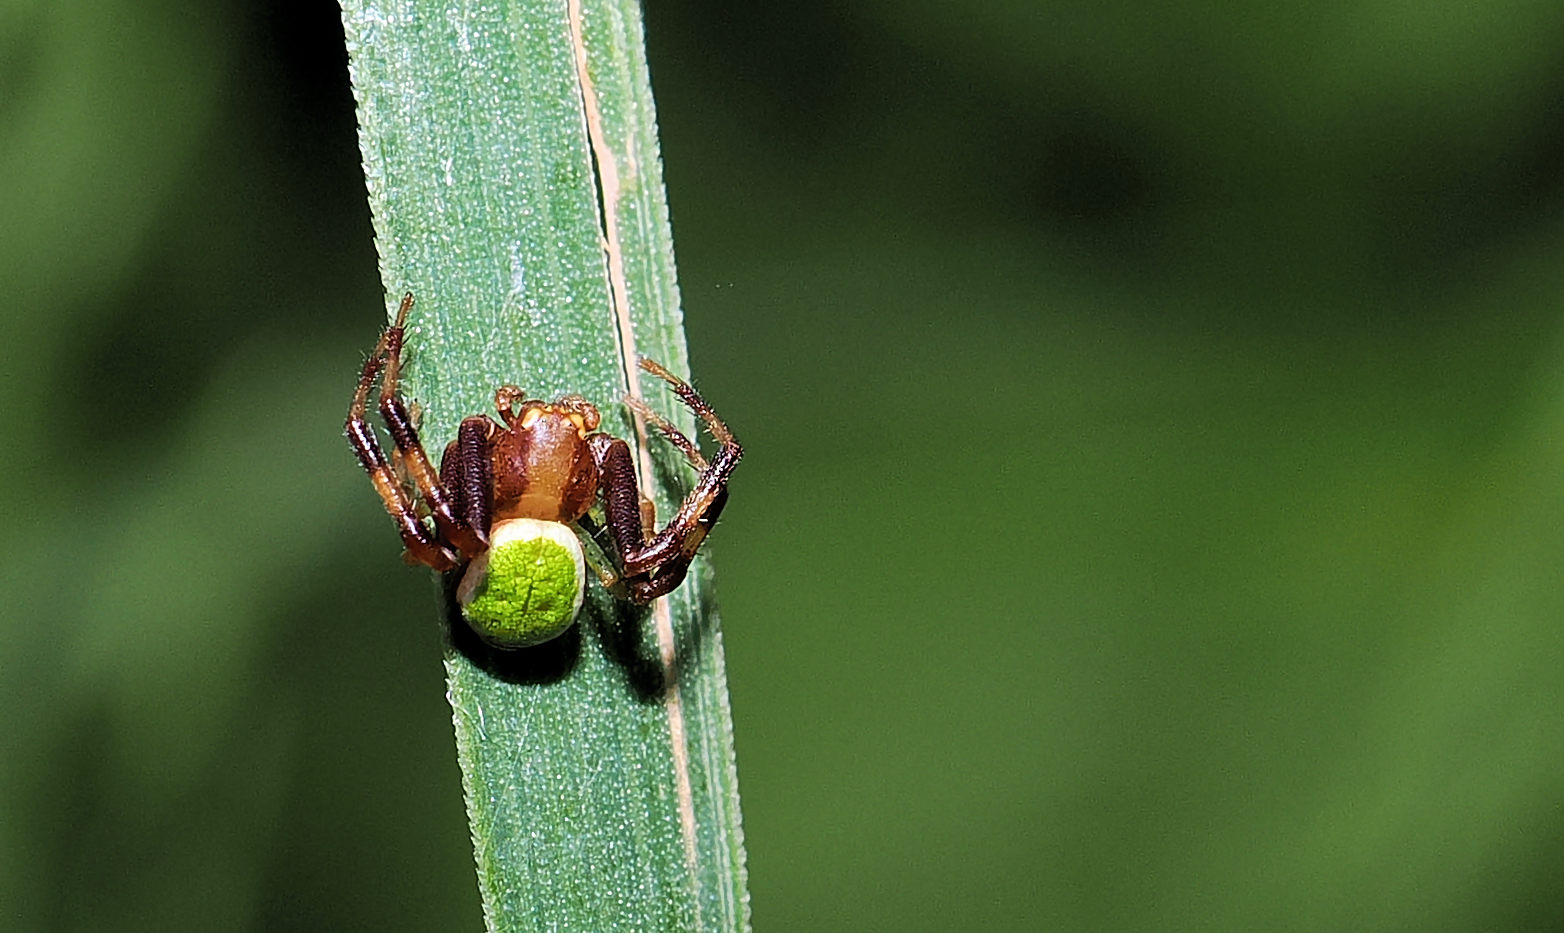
1154	504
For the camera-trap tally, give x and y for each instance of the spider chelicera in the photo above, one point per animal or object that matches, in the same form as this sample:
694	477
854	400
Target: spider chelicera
509	494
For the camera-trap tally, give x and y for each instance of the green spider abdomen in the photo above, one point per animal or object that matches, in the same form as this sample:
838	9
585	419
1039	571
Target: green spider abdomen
527	587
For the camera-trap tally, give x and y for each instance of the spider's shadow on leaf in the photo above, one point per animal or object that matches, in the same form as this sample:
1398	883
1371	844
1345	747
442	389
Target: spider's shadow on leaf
622	629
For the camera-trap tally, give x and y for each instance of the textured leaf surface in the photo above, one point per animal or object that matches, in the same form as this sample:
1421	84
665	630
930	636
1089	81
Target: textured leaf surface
526	212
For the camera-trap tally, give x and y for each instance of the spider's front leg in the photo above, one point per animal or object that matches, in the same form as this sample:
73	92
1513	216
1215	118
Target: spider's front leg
434	550
651	565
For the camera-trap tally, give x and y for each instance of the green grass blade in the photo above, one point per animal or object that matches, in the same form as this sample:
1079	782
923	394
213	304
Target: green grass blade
599	769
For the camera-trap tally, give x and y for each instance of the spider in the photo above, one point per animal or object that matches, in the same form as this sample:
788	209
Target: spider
509	494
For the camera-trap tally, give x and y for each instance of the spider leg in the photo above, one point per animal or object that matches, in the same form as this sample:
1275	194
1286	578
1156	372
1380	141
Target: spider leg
702	410
644	589
422	547
652	564
450	533
467	474
673	434
604	543
468	540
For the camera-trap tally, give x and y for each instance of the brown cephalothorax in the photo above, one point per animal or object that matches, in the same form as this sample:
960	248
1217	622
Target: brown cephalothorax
501	483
